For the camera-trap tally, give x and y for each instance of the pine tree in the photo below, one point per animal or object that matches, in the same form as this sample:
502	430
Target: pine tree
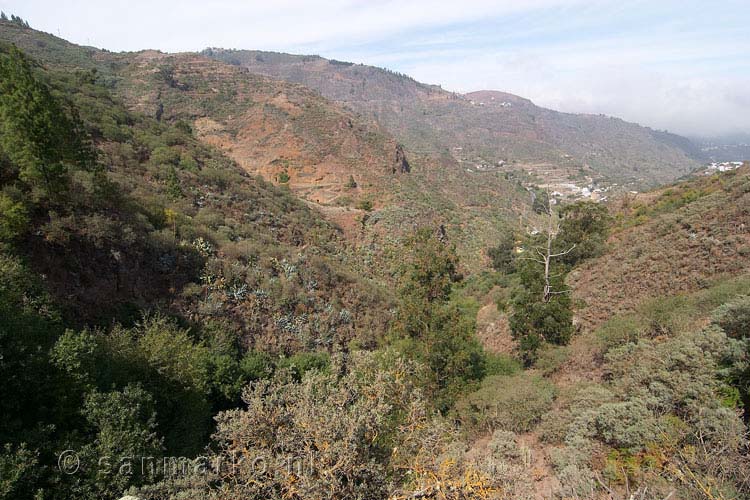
3	17
430	327
173	184
38	135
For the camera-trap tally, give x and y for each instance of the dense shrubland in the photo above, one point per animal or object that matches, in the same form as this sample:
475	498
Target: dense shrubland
146	280
664	417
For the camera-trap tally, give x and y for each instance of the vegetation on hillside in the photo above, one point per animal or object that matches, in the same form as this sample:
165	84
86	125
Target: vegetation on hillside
172	327
484	126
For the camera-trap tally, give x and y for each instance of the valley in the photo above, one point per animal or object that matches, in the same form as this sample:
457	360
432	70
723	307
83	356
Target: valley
370	286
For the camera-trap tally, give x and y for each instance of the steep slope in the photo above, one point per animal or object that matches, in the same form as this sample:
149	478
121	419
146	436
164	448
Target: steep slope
486	127
168	223
677	239
344	165
284	132
341	163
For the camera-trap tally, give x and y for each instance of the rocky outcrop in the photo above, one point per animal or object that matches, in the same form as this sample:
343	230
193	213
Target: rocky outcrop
402	164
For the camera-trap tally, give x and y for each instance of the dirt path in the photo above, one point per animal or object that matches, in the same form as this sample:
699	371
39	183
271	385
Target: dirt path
537	459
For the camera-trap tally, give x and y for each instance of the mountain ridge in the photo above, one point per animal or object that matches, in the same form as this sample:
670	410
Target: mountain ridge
342	163
427	118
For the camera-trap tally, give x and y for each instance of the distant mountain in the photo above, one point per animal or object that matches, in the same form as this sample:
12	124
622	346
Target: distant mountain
486	126
734	147
346	165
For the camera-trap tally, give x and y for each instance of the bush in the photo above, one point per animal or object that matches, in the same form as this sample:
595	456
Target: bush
303	362
503	445
573	403
125	424
165	155
734	317
550	358
256	365
500	364
502	255
627	424
14	218
619	331
365	205
359	422
512	403
584	228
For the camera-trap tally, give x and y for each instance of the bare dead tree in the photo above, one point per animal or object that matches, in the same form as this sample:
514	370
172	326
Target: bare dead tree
544	254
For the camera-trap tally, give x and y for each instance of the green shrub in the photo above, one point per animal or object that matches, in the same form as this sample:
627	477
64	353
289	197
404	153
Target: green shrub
502	255
734	317
187	162
571	404
584	228
365	205
124	423
500	364
257	365
627	424
513	403
302	362
618	331
550	358
14	218
19	471
165	155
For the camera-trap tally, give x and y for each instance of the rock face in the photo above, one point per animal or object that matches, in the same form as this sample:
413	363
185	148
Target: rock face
402	164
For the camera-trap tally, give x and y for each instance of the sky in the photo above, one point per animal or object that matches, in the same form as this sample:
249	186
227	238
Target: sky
683	65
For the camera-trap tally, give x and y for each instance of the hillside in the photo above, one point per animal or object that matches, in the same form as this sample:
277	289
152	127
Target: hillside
483	128
677	239
342	164
216	284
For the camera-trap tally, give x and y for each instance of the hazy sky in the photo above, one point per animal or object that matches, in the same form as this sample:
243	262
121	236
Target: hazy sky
680	65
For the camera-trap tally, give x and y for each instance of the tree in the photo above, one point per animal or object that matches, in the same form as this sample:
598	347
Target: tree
535	320
173	184
37	133
502	255
584	228
427	274
541	305
541	250
540	201
124	424
351	183
430	328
